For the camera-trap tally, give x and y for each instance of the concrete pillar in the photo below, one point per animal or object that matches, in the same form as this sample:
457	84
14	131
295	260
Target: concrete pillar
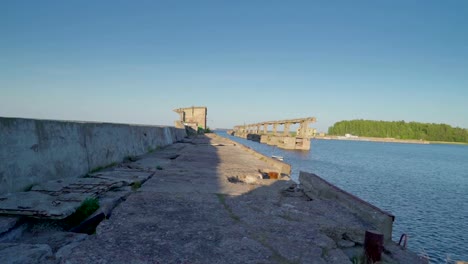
275	128
303	129
286	129
265	129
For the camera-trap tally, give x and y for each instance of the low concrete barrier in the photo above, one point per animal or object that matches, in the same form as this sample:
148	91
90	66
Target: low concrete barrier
33	151
314	186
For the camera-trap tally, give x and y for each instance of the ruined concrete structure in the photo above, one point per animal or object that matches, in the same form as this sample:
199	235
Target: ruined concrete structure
193	117
260	132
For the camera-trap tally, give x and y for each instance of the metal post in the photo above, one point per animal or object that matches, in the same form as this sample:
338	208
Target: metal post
373	246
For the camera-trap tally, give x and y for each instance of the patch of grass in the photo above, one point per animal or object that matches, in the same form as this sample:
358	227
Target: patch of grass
87	208
324	253
136	185
96	169
150	150
200	130
361	259
103	167
357	260
222	200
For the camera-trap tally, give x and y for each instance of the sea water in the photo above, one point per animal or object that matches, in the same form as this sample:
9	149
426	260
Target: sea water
424	186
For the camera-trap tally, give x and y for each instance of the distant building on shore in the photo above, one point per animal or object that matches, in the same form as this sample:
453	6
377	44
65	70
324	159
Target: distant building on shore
350	136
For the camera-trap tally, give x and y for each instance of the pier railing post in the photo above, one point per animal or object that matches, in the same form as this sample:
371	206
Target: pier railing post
373	246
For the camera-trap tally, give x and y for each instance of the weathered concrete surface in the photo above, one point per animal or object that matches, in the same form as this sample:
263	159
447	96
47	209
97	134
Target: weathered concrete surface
205	200
13	253
34	151
316	187
7	223
36	204
128	176
55	199
190	212
58	199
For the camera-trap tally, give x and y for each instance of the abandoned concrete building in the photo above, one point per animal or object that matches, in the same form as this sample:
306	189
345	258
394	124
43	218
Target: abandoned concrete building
193	117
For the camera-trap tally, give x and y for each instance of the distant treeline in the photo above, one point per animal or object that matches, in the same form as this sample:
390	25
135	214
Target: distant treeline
400	130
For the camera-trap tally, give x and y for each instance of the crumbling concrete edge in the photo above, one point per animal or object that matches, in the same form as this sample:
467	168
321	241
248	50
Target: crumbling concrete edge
314	186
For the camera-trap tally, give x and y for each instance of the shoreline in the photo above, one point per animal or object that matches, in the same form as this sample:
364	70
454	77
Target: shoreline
389	140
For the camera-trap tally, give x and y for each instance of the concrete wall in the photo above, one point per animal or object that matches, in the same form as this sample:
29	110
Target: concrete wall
33	151
314	186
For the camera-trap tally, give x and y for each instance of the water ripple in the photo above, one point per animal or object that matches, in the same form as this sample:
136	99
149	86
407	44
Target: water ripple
424	186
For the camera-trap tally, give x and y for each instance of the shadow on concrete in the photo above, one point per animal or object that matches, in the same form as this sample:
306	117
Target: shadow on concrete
191	211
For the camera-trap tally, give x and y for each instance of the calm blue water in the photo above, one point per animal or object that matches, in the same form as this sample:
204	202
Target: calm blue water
424	186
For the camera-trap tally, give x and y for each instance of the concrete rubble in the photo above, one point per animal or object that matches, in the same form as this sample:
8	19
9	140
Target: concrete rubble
58	199
205	200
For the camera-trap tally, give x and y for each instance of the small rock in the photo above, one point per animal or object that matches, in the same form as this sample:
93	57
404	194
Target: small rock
252	178
323	241
355	235
65	251
345	244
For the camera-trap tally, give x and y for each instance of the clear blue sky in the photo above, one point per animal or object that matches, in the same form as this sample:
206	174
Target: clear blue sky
247	61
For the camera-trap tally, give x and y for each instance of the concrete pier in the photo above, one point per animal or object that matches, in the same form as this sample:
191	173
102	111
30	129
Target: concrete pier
259	132
210	201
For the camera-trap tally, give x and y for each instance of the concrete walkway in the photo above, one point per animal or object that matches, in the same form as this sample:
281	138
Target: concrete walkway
207	203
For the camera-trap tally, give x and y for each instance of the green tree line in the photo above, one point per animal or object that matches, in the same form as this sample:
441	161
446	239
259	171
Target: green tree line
400	130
